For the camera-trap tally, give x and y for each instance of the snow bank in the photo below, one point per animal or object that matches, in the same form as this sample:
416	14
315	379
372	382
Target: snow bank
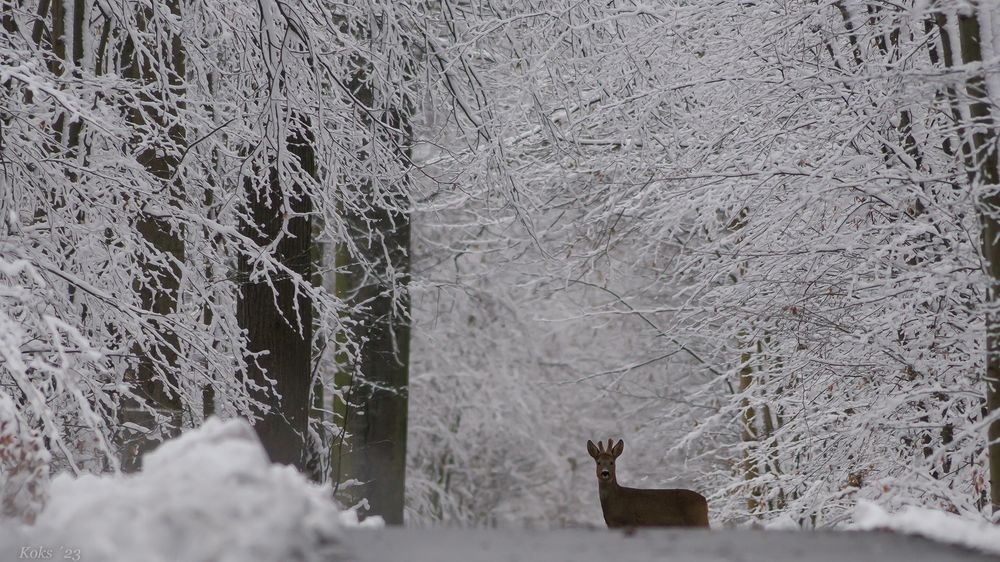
210	494
929	523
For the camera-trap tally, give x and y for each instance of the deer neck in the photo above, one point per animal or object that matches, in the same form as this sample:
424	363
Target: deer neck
607	489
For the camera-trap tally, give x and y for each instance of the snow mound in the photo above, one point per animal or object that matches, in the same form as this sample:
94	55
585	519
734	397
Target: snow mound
936	525
349	518
210	494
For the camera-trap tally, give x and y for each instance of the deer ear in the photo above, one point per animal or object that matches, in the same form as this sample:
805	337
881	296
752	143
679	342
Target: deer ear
591	448
619	447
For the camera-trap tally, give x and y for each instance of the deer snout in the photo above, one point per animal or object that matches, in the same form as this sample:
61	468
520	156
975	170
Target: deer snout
605	474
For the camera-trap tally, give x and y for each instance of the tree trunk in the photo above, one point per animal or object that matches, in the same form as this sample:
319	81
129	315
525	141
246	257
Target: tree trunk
276	314
980	154
372	449
153	380
153	409
375	420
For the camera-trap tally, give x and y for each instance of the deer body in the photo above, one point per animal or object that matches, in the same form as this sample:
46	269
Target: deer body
634	507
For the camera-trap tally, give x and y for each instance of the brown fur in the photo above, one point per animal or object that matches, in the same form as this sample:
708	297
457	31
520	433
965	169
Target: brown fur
633	507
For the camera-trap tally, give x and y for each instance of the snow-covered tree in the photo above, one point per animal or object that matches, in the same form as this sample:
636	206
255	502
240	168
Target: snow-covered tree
160	161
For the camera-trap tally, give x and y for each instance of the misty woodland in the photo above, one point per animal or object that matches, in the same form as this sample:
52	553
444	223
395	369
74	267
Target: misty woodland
429	248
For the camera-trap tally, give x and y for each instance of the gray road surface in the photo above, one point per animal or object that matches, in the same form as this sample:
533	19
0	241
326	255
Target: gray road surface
583	545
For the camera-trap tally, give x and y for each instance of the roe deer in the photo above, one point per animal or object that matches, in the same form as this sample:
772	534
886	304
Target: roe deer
632	507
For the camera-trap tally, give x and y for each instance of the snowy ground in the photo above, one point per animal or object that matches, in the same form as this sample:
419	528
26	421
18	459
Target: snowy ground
582	545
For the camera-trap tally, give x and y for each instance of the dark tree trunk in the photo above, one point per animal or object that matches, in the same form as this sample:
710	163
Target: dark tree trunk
157	404
983	172
278	320
373	445
979	137
375	418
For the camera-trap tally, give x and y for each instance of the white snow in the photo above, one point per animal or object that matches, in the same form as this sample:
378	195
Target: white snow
210	494
929	523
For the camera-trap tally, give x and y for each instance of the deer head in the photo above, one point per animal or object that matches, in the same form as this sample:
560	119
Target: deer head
605	459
